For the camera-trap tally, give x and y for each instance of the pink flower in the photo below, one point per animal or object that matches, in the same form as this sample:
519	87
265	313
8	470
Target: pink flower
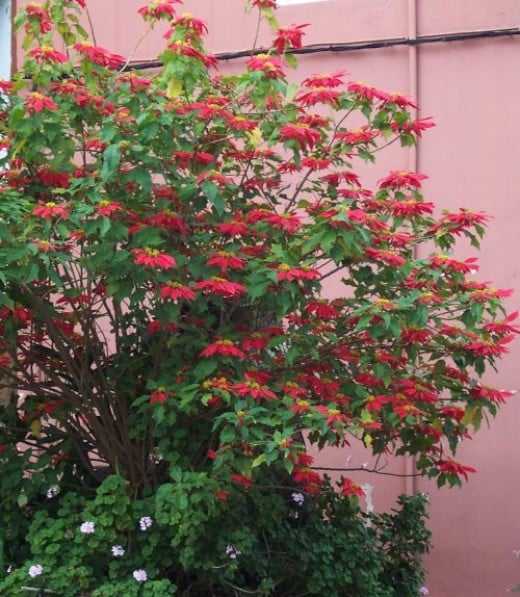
140	575
88	528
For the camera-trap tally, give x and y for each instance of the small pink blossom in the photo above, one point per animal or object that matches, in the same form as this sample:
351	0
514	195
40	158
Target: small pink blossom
145	522
35	570
140	575
88	528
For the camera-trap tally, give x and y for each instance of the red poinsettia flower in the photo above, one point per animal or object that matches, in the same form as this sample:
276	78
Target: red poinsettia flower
190	23
51	178
385	256
51	210
487	348
336	178
170	220
246	482
302	133
36	102
286	272
284	221
236	227
222	494
353	137
490	394
289	37
442	261
455	468
151	257
264	3
271	66
319	95
36	12
99	55
107	208
36	9
503	326
225	261
256	341
413	335
221	286
309	478
348	488
208	60
410	207
397	179
401	100
160	396
176	291
158	9
222	347
405	409
48	54
413	126
322	308
252	388
331	80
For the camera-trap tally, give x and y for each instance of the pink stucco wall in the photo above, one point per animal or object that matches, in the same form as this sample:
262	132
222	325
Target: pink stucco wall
472	89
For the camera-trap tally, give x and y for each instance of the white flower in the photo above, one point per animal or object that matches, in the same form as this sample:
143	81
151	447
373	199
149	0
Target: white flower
52	492
297	497
232	552
424	591
140	575
118	551
35	570
88	528
145	522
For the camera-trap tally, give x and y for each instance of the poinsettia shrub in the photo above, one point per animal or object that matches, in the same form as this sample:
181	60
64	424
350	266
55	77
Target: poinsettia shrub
165	239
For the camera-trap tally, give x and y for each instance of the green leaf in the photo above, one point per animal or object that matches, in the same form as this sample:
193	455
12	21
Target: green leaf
214	197
111	160
259	460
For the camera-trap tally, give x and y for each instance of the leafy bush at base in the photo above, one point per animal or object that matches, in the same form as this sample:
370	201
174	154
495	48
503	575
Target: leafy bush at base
277	543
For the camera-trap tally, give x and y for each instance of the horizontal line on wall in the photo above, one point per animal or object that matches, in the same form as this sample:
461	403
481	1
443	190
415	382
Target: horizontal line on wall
359	45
